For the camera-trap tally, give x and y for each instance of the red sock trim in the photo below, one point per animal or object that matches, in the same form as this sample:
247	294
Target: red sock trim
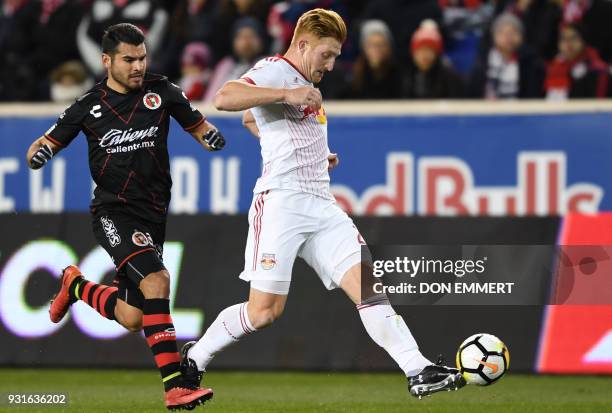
94	299
104	297
85	293
164	359
154	319
245	327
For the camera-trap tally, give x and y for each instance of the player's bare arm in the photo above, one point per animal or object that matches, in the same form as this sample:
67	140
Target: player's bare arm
208	136
248	121
41	151
238	95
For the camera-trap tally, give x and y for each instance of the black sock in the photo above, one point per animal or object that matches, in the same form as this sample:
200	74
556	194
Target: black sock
161	338
100	297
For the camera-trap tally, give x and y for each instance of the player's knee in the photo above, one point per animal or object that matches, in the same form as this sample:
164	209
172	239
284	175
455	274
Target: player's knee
156	285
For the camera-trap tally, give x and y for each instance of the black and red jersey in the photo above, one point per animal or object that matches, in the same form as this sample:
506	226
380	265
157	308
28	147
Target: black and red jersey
127	137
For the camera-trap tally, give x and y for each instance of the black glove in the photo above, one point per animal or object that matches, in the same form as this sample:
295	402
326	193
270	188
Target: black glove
41	157
214	140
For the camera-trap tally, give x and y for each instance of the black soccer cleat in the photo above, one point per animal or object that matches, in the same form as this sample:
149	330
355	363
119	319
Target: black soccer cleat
192	376
435	378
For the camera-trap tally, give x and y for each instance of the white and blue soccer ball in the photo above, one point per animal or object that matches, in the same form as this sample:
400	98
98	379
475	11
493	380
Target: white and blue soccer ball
482	359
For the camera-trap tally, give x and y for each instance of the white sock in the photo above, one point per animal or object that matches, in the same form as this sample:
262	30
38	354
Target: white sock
389	331
230	326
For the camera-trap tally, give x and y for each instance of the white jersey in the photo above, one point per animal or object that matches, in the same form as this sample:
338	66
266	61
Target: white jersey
293	138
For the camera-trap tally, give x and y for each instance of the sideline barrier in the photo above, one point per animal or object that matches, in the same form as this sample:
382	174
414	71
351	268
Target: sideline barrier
446	159
320	330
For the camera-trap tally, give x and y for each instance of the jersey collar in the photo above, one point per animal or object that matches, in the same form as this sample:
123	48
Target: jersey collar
293	66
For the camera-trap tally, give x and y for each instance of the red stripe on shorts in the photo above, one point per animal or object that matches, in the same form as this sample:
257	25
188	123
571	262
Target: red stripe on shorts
257	225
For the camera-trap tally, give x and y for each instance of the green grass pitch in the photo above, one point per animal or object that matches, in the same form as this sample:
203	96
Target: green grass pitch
137	391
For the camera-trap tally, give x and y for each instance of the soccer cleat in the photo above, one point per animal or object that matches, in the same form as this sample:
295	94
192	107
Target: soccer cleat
435	378
189	369
178	398
61	301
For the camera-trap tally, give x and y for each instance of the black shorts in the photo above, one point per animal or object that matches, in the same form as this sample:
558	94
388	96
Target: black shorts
136	248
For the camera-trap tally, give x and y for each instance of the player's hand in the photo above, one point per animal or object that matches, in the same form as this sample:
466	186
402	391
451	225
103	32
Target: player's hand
41	156
333	161
307	96
213	140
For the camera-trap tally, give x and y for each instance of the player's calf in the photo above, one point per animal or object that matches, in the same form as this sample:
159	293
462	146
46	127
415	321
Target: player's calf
159	330
230	326
128	316
263	317
264	308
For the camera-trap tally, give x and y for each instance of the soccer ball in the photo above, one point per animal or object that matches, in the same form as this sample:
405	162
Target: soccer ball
482	359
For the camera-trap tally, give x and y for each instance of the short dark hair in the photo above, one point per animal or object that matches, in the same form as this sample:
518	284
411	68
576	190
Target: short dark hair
121	33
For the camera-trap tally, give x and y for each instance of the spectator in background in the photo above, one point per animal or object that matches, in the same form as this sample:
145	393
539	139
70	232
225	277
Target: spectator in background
403	18
228	13
577	71
197	20
509	69
247	49
284	15
281	22
465	21
195	70
69	81
35	37
190	21
430	75
595	16
148	15
541	20
13	14
375	73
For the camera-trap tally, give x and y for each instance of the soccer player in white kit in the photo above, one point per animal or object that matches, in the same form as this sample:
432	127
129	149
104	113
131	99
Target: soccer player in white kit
293	212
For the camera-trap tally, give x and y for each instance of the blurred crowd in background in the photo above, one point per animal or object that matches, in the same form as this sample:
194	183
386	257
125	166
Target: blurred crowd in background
396	49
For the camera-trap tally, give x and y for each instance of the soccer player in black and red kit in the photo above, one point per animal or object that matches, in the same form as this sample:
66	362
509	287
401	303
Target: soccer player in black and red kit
125	119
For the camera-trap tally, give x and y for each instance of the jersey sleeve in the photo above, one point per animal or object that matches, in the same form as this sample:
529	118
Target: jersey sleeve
68	125
265	73
182	110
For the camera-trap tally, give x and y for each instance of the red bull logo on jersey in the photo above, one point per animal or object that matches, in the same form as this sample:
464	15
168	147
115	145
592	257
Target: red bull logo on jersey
309	111
446	186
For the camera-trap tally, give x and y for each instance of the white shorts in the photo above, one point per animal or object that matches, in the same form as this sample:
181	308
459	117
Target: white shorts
284	224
